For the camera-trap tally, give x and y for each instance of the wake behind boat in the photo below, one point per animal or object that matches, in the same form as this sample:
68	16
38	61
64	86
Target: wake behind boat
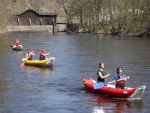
47	62
111	91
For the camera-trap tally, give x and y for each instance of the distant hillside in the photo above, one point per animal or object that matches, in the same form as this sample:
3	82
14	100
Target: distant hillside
117	17
9	8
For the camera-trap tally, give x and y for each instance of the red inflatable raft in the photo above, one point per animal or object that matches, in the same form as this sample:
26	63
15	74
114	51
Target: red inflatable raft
110	90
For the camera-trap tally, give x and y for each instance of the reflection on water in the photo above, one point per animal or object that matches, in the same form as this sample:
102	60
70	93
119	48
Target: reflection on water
107	104
43	71
97	109
46	70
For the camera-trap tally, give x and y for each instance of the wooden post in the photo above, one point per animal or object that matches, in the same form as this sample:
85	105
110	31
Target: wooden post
53	27
17	21
29	21
41	21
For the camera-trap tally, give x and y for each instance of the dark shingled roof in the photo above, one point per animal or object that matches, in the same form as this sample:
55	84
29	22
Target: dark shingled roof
42	14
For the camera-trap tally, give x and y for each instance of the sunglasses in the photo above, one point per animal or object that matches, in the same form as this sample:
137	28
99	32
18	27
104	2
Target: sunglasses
119	69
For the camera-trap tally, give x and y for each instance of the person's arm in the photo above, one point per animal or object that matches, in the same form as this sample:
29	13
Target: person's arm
15	43
101	76
19	43
47	54
27	56
44	54
113	81
33	53
125	78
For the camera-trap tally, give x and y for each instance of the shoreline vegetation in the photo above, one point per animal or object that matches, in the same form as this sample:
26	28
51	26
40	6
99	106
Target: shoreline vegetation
136	34
114	17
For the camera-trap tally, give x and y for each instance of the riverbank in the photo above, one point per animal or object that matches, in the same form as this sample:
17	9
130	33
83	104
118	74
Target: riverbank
144	34
29	28
48	28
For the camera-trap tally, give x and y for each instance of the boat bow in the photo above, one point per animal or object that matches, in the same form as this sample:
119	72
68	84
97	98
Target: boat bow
138	93
50	61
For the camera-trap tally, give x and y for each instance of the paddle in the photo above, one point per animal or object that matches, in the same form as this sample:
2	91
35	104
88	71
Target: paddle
22	64
98	85
123	79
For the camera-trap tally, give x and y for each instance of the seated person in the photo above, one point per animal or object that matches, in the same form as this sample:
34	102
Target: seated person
120	79
16	43
29	54
43	55
101	73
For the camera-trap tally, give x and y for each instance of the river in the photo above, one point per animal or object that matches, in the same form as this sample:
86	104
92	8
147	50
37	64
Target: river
59	89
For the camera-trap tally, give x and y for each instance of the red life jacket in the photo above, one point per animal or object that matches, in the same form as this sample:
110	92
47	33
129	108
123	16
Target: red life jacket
16	43
41	55
30	57
121	80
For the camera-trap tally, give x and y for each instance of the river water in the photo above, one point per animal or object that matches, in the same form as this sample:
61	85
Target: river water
59	89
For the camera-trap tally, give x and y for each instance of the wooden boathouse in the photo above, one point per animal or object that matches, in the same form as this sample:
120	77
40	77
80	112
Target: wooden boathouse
31	17
34	21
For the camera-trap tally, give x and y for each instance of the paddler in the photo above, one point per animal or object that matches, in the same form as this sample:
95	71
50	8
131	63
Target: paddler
120	79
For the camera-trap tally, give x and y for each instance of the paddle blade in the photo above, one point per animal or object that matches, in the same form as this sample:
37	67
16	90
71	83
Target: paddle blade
98	85
22	64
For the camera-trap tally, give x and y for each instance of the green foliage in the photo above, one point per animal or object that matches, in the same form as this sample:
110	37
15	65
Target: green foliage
125	16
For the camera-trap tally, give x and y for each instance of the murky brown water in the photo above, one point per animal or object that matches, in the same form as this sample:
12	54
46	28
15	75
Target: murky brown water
60	89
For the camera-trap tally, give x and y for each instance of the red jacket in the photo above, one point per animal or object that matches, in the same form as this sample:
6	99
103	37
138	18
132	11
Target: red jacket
30	57
41	55
16	43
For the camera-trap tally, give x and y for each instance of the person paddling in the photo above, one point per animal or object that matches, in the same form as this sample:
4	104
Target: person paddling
101	73
120	79
43	55
29	54
17	43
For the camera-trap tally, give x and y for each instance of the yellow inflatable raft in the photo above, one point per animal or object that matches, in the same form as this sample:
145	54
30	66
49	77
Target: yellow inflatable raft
17	48
46	62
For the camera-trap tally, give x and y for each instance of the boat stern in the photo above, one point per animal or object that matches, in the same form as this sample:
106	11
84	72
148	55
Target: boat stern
23	60
88	83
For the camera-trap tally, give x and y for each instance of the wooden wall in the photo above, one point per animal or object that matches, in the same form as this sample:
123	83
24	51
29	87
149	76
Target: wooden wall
30	17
